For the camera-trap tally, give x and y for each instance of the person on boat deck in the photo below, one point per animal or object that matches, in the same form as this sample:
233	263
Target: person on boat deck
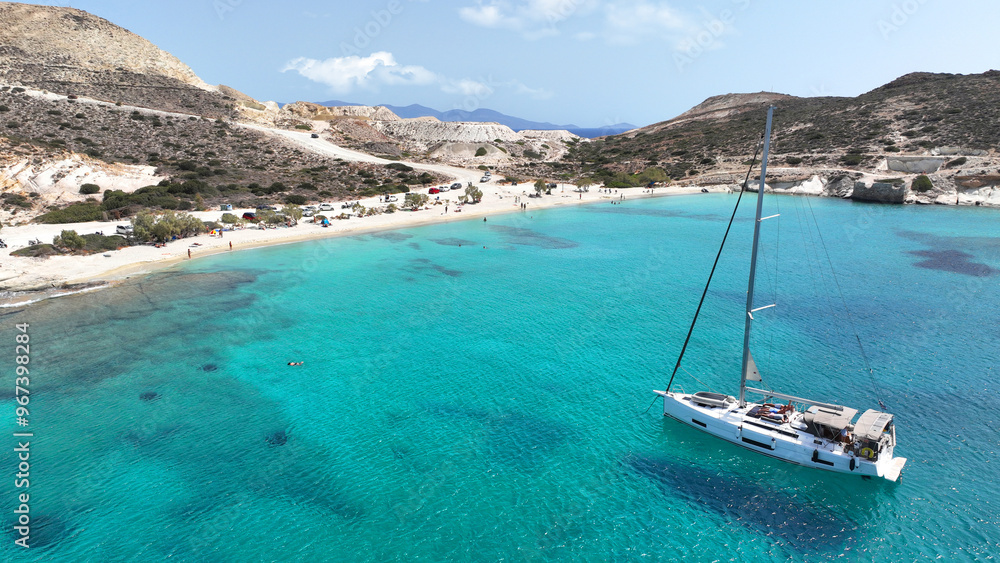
775	414
844	436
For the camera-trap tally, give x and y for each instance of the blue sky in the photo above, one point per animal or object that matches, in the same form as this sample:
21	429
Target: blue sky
587	62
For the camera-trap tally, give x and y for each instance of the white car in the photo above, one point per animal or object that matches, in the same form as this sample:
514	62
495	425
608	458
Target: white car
444	188
325	207
123	230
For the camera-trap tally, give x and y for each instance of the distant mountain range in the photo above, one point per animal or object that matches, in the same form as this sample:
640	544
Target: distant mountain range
489	115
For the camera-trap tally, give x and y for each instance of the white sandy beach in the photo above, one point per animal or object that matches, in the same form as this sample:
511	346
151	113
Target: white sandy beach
18	274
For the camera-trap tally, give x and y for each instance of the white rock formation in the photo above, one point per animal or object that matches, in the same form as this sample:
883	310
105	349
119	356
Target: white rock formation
453	131
59	181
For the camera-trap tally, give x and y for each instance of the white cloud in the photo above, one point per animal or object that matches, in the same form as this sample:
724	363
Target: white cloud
532	18
488	16
534	93
630	22
344	74
467	87
622	22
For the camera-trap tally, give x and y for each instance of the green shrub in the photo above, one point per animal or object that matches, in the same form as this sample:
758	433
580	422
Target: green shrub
88	189
100	243
36	251
852	159
892	148
957	162
921	183
481	151
399	166
295	199
76	213
304	127
69	239
229	218
793	160
4	108
162	228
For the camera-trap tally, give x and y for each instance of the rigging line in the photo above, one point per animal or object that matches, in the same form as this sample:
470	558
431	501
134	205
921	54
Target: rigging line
700	382
651	404
850	318
743	190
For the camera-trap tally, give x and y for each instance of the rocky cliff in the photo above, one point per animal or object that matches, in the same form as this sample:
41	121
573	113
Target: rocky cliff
317	112
69	51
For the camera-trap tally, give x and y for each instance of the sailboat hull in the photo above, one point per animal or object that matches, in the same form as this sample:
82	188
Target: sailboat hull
790	441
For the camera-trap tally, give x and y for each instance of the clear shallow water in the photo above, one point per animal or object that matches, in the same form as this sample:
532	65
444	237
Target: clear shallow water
476	391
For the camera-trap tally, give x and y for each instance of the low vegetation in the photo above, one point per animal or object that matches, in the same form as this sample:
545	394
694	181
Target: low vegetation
164	227
922	184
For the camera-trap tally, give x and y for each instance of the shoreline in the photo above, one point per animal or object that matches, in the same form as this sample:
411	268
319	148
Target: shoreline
38	279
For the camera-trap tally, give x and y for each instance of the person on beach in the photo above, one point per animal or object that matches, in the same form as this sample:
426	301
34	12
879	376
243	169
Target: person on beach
230	245
189	254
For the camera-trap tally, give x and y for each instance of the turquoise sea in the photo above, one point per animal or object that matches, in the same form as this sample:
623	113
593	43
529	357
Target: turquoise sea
478	391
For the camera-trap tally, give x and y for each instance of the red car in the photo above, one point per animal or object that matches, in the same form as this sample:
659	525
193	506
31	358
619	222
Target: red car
433	191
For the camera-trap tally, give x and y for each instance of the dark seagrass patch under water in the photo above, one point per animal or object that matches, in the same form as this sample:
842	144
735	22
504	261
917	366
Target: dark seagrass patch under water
736	499
529	237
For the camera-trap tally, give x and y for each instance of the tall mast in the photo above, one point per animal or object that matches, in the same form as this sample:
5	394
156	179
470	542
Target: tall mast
753	259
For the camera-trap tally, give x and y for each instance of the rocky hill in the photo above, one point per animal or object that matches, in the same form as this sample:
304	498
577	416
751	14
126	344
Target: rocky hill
945	122
70	51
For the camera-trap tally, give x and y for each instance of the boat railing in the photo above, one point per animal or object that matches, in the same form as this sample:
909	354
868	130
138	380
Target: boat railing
795	399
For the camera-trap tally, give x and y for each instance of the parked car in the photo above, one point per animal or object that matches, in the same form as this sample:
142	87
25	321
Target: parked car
308	213
250	216
456	186
325	207
315	135
267	207
125	230
444	188
434	191
390	198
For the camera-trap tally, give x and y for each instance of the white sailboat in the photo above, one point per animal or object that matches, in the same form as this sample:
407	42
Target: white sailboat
801	431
